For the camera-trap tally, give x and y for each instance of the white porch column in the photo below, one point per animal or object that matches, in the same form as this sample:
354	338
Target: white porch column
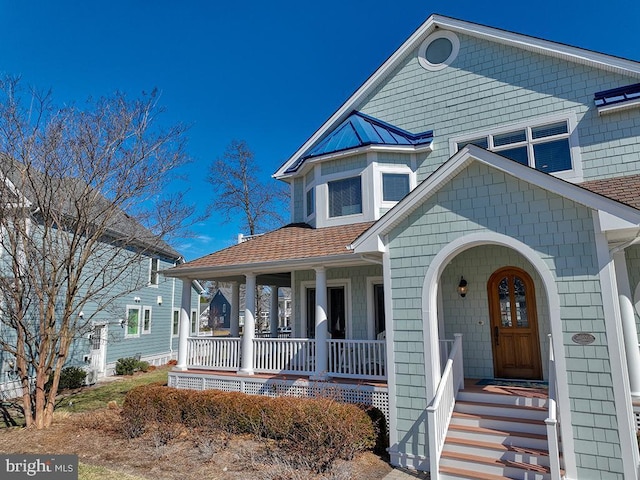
235	310
273	312
248	334
627	315
321	324
185	323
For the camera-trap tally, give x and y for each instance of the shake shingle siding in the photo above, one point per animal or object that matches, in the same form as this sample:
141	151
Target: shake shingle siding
490	85
561	232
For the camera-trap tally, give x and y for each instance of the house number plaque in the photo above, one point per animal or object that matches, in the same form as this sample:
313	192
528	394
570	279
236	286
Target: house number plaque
583	338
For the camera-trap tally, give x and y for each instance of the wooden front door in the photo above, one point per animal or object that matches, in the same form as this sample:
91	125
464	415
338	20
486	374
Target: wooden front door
514	325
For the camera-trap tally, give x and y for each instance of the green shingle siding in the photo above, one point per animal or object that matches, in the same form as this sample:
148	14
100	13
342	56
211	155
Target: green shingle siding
490	85
573	263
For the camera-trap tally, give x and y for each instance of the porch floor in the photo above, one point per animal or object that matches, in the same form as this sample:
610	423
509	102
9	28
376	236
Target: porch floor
471	385
279	376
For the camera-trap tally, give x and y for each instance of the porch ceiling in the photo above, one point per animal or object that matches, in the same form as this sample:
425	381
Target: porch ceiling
275	254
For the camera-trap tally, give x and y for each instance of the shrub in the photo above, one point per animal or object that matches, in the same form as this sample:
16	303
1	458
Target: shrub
126	366
142	366
70	378
130	365
311	432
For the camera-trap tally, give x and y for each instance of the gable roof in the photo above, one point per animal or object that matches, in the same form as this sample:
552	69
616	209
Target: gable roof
359	130
122	227
280	249
588	195
545	47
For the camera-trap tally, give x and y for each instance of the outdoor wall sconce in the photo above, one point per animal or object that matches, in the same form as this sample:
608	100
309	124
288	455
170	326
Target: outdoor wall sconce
81	315
159	299
136	299
462	287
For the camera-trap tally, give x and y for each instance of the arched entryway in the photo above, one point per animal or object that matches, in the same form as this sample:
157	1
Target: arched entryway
514	324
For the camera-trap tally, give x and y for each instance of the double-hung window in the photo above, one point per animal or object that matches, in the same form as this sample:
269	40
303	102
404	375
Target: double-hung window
345	197
175	328
545	146
146	320
154	276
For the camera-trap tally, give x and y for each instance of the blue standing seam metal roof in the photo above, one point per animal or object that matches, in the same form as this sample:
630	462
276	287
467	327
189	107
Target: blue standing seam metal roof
617	95
359	130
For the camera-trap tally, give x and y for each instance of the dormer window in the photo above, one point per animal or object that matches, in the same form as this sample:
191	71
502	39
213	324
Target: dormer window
345	197
311	202
395	186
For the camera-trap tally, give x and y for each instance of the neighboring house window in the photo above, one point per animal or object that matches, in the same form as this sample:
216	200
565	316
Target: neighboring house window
395	186
133	321
345	197
194	322
154	276
146	320
311	202
175	330
546	147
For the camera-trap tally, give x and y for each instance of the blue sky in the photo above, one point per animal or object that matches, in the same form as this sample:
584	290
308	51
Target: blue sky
267	72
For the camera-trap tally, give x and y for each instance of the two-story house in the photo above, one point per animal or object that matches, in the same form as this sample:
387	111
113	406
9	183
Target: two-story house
463	254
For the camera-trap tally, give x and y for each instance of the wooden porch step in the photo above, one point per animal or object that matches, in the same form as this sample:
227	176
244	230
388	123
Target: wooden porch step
490	466
532	412
496	422
497	450
492	435
447	473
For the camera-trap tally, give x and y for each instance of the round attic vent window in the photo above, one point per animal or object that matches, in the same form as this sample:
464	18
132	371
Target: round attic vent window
438	50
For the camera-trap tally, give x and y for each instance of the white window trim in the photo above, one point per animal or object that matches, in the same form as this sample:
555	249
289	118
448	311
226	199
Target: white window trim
380	170
146	309
322	199
126	327
574	175
173	313
422	51
342	282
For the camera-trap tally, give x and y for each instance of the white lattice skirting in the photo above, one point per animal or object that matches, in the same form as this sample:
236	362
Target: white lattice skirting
275	387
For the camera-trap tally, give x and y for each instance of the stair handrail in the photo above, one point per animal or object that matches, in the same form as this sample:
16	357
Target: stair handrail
552	419
440	410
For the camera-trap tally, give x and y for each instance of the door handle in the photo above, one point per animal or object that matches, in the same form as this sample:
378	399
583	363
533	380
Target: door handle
496	335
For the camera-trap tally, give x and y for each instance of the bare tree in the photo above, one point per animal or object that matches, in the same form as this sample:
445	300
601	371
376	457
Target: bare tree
81	206
238	189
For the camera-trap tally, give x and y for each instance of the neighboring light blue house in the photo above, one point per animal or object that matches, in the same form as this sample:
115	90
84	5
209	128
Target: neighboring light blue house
471	213
138	313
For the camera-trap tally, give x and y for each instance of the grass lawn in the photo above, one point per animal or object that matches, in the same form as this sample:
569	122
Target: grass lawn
95	472
98	396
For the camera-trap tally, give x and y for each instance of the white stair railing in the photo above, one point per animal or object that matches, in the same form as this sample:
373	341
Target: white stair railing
552	419
441	409
213	353
364	359
284	355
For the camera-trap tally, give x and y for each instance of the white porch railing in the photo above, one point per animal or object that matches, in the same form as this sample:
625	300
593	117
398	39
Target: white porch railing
364	359
552	420
441	408
213	353
357	359
279	355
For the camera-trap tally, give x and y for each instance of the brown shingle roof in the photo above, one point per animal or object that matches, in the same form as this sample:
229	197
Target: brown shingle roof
622	189
291	242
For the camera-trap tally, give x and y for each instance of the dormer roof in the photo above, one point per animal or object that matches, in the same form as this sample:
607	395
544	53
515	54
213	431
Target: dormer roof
359	130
